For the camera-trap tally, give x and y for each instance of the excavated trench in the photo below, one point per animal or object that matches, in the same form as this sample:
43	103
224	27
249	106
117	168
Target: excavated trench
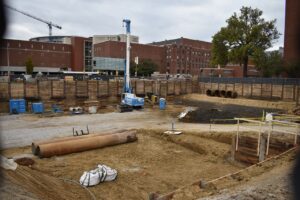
155	163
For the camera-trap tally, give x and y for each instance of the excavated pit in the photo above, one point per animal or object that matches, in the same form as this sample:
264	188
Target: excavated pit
155	163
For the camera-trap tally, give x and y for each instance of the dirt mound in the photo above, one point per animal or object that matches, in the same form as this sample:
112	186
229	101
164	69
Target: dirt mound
24	161
207	112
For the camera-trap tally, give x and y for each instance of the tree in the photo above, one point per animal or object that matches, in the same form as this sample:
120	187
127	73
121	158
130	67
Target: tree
245	34
29	66
145	68
270	64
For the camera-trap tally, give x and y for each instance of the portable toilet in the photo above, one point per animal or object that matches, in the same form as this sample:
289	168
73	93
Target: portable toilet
37	107
17	106
162	103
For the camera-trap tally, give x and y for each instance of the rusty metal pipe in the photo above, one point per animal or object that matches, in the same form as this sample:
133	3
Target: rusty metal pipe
35	144
84	144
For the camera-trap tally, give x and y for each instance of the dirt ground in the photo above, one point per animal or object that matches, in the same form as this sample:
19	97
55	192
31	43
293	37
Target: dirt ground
155	163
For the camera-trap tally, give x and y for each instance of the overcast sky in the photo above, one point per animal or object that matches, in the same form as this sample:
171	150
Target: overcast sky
152	20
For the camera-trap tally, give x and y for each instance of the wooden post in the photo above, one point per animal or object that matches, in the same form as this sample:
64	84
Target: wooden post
65	89
24	88
259	138
9	90
159	87
51	88
38	88
117	87
76	88
174	87
282	91
268	139
234	87
261	90
251	91
237	135
298	96
108	88
233	147
144	88
97	88
262	148
271	91
242	89
294	92
87	88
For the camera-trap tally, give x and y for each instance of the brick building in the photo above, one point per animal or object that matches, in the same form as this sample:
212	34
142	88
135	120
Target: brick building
186	56
110	55
292	32
46	56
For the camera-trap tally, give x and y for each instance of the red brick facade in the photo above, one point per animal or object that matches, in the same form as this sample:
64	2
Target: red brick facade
292	32
186	56
52	55
113	49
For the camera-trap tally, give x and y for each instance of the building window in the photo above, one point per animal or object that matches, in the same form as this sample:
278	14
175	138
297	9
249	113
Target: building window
53	47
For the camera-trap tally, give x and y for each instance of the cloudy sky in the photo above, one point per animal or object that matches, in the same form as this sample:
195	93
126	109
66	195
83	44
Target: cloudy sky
152	20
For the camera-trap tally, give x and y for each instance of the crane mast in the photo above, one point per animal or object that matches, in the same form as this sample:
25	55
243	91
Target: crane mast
49	23
127	87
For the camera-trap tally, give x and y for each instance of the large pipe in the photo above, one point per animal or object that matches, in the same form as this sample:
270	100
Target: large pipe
35	144
84	144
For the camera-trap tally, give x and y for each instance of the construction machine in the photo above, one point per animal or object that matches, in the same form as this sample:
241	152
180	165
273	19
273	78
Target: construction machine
129	100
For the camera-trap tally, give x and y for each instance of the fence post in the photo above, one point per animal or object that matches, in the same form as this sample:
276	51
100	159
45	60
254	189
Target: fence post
9	89
87	89
108	91
282	91
251	89
261	90
271	97
242	89
298	96
24	88
97	88
294	92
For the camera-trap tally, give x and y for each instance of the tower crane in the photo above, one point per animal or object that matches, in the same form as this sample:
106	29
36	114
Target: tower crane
50	24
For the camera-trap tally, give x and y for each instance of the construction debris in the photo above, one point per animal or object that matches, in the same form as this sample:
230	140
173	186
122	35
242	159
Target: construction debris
8	164
100	174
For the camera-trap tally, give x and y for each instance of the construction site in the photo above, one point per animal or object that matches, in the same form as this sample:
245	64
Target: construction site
173	137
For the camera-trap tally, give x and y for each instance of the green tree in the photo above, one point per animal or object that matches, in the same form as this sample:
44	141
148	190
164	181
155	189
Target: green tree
269	64
29	66
145	68
293	70
245	34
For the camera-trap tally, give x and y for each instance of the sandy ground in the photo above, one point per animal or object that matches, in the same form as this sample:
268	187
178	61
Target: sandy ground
21	130
153	164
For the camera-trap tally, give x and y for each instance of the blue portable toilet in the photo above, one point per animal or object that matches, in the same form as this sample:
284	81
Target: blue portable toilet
162	103
17	106
37	107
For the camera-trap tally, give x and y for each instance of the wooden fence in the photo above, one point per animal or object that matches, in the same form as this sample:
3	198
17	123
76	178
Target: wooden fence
71	93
